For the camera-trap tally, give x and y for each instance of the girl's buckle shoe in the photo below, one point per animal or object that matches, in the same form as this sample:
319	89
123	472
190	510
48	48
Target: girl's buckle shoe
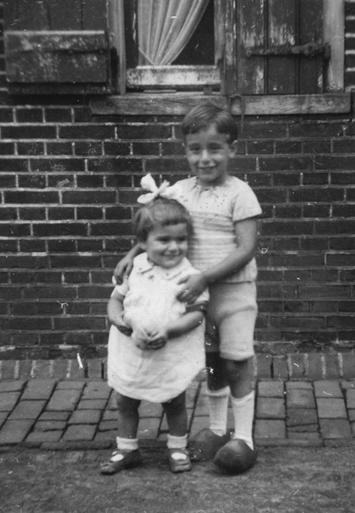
179	460
121	460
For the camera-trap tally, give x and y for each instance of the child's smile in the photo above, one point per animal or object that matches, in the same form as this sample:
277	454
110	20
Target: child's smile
208	153
166	246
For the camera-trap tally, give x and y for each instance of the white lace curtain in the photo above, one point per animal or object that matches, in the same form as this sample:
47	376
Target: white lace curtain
165	27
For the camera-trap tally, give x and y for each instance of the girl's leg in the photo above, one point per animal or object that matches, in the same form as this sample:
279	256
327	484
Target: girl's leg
127	454
176	416
128	417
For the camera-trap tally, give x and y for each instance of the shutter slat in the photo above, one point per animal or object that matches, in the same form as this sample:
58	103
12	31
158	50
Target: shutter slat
94	14
64	15
250	19
48	56
281	70
26	15
311	29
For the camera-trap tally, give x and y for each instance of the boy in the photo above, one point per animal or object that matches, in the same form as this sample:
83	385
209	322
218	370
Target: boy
224	211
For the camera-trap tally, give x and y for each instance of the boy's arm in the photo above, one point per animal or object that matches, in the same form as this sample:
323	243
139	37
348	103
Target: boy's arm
246	239
124	266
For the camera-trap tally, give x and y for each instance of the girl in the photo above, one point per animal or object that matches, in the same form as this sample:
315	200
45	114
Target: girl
155	343
224	211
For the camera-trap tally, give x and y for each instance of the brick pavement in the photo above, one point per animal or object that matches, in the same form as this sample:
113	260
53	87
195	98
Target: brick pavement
58	405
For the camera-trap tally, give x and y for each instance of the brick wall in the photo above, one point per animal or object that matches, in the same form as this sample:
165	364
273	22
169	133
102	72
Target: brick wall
68	186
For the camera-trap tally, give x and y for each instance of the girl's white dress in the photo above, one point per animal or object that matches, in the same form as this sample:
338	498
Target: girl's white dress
150	300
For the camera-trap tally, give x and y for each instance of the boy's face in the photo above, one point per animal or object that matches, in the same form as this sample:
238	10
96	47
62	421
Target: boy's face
166	246
208	153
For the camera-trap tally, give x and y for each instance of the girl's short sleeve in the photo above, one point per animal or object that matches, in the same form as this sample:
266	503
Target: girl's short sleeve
245	204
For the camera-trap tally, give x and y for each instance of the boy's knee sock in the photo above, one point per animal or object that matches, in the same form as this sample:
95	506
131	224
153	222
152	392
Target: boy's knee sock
243	413
127	444
218	410
176	442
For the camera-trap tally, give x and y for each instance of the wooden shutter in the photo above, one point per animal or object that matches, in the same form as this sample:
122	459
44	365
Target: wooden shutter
280	47
57	45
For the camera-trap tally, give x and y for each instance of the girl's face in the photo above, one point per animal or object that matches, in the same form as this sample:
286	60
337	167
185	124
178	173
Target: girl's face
166	246
208	153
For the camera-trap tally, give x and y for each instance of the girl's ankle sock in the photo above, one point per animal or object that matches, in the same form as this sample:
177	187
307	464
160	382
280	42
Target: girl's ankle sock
177	442
218	410
243	413
127	444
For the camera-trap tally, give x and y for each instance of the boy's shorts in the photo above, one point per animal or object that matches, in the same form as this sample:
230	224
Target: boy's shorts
231	316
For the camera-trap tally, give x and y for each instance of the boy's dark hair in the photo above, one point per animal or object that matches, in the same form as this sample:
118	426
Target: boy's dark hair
206	114
160	212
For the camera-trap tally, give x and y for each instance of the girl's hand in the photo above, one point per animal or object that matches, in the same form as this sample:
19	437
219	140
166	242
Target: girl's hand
151	345
150	339
122	326
193	286
126	330
157	343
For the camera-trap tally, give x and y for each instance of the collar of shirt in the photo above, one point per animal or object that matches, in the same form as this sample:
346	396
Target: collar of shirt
144	266
212	190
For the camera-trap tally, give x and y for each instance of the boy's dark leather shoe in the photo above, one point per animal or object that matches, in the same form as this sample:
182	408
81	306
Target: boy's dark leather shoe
235	457
205	444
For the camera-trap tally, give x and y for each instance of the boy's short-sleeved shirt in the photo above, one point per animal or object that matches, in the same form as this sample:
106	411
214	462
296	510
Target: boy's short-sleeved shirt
214	211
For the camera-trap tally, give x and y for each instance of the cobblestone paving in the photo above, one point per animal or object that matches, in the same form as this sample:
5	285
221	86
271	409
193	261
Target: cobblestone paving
58	404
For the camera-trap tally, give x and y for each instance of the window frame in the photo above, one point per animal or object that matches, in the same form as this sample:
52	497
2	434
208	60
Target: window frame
335	100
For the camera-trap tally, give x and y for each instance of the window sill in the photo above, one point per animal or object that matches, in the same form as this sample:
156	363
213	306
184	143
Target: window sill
178	103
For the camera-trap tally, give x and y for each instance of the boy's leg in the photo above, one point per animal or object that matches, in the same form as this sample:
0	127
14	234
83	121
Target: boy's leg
206	442
217	394
238	455
127	454
241	380
176	416
237	309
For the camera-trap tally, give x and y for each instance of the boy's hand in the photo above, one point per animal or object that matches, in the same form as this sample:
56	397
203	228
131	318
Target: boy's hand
122	269
193	286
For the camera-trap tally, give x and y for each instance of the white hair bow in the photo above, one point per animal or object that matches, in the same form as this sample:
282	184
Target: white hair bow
148	184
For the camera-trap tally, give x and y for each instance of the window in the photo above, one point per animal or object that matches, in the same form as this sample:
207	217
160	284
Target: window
277	46
169	44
